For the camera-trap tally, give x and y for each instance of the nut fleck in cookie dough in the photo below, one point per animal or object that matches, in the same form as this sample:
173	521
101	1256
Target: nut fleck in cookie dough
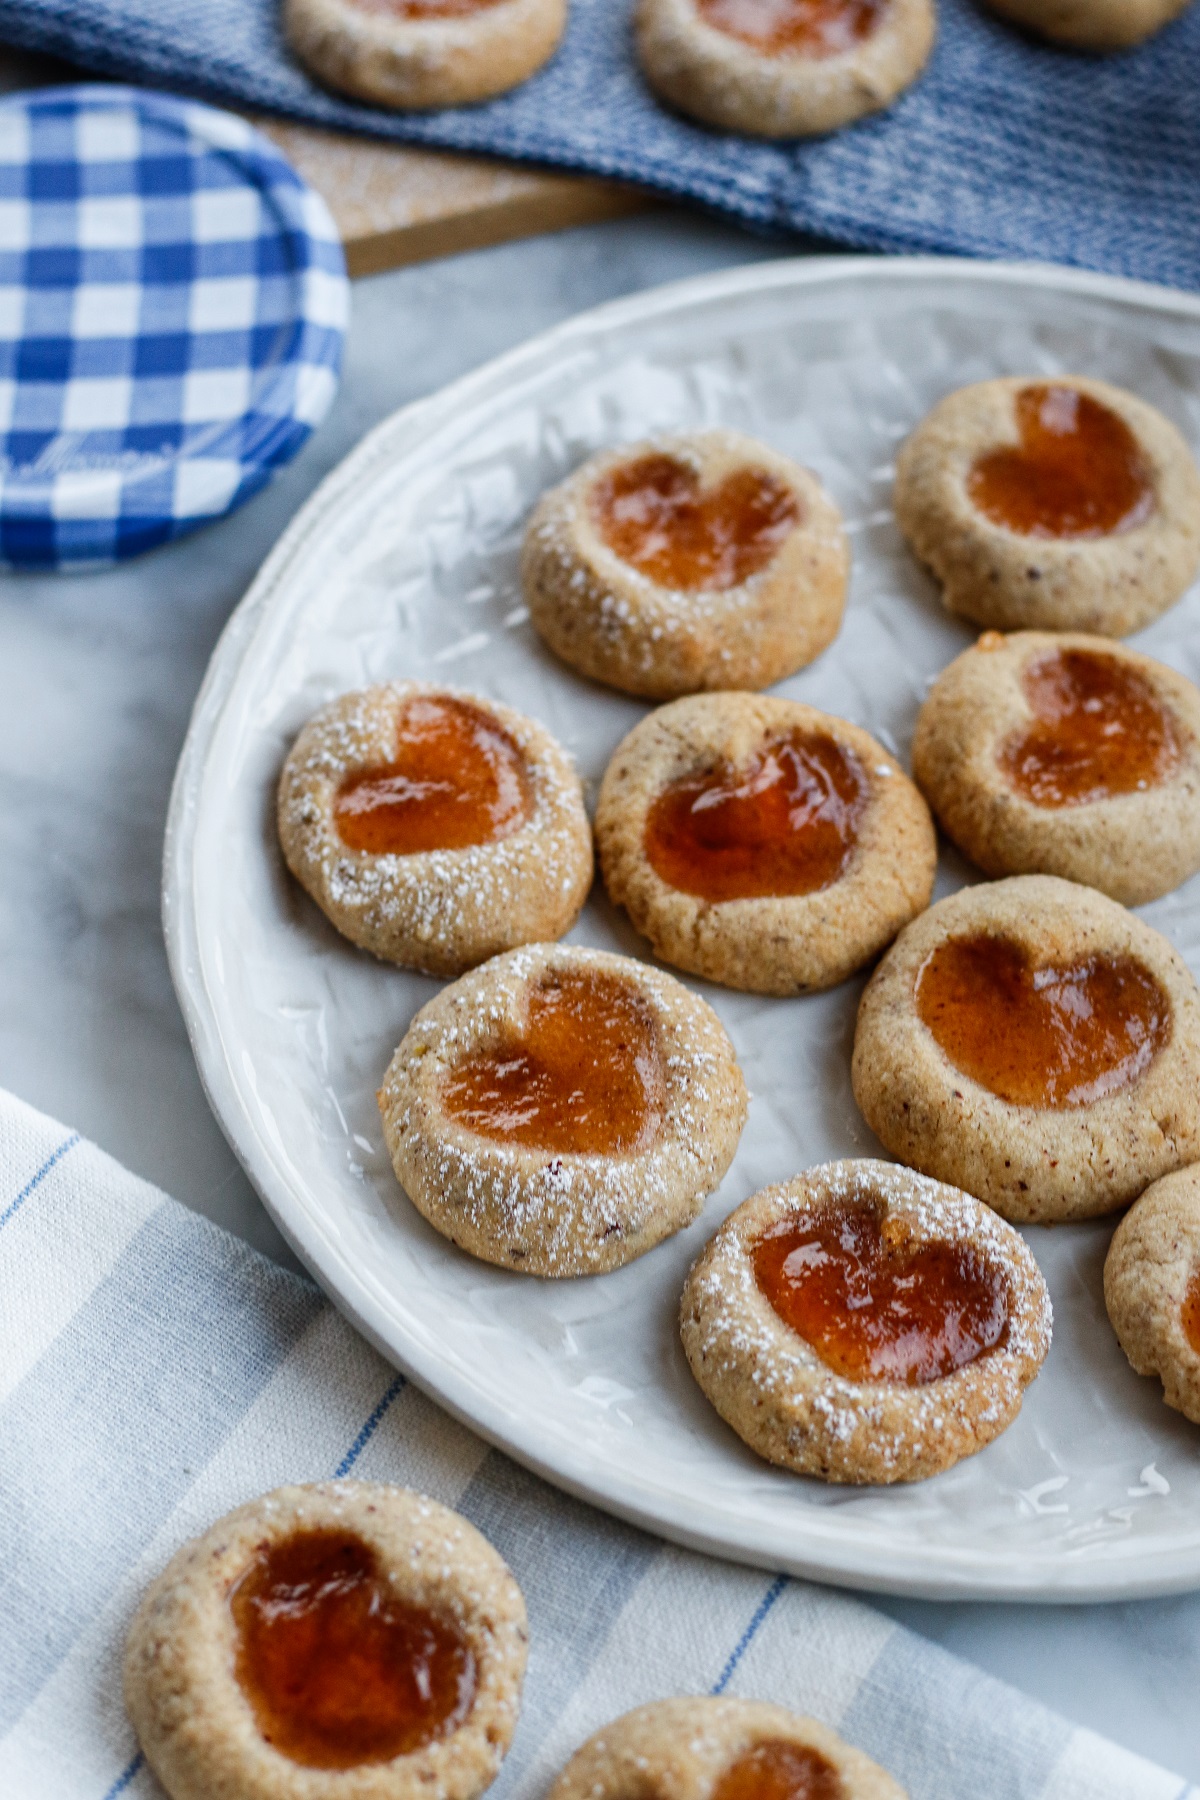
1091	24
761	843
685	563
1152	1287
782	68
433	828
720	1749
1057	503
1034	1043
864	1324
560	1111
424	53
1065	755
344	1639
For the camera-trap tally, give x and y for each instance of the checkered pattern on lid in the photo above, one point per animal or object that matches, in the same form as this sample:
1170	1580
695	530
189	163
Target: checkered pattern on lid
173	301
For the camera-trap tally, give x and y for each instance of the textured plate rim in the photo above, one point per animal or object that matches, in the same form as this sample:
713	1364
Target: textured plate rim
931	1574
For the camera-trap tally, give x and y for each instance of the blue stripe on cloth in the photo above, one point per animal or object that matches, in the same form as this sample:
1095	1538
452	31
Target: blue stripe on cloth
132	1768
35	1181
946	1730
751	1632
110	1425
370	1427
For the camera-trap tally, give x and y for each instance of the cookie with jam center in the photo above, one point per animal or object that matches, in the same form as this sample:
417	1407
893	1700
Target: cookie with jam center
862	1323
782	68
1054	503
761	843
1032	1042
1062	754
561	1111
1152	1287
434	828
1091	24
687	563
716	1748
415	54
343	1638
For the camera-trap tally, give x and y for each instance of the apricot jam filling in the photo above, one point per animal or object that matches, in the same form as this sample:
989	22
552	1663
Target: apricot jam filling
786	822
1098	730
456	779
337	1669
1046	1037
1191	1312
809	28
426	9
1078	471
655	516
584	1077
873	1304
778	1770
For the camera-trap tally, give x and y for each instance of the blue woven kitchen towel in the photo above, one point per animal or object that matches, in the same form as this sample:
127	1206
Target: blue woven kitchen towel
1004	148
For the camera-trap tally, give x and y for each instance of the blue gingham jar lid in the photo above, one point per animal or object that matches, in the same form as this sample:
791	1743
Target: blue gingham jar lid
173	301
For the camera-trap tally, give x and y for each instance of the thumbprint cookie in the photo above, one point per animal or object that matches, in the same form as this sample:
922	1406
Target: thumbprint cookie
782	68
434	829
1091	24
864	1324
1065	755
1152	1287
1031	1041
347	1638
560	1111
424	53
761	843
720	1749
1059	504
685	563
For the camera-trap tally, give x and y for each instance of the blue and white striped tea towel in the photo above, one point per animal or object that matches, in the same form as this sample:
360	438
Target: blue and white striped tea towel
155	1372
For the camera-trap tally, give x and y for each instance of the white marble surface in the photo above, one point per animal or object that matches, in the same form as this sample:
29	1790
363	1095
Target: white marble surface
97	677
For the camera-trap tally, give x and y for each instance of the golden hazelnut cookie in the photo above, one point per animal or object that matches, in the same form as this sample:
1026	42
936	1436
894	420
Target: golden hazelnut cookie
761	843
344	1641
684	563
424	53
720	1749
1091	24
1060	754
864	1324
1152	1287
433	828
560	1111
1031	1041
782	68
1058	503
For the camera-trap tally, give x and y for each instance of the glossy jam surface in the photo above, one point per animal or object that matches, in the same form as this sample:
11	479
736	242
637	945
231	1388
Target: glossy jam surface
1191	1313
785	823
340	1672
777	1770
1098	730
812	28
1077	472
584	1077
874	1305
426	9
456	779
1044	1037
654	515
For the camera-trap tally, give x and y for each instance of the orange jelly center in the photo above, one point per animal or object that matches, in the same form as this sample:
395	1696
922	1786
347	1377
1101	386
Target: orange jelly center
654	515
457	779
337	1670
813	28
1191	1312
1078	471
1042	1037
786	823
584	1077
777	1770
1098	730
873	1305
426	9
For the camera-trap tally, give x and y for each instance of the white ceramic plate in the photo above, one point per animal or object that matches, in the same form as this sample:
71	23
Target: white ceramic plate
405	564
